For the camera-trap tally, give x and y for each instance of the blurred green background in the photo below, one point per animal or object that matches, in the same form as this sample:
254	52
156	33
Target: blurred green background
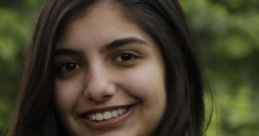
227	37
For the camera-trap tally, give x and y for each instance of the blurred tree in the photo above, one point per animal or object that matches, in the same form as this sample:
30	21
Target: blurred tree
16	20
226	34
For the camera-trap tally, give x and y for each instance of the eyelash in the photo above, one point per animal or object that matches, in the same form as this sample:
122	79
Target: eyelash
66	68
129	58
125	55
123	59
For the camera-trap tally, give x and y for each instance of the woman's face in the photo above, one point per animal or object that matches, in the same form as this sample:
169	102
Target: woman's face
110	78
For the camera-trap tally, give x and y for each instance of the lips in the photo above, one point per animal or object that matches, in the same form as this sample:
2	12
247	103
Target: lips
106	117
100	116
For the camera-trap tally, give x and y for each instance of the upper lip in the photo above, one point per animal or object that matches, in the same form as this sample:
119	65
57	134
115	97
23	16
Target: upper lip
109	108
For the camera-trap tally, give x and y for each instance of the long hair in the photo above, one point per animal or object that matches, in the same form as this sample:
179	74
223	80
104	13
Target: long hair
163	20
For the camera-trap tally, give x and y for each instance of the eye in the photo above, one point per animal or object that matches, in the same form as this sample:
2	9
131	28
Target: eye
125	57
66	68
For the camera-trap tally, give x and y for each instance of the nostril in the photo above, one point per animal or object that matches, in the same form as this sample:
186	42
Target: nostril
100	95
100	86
101	99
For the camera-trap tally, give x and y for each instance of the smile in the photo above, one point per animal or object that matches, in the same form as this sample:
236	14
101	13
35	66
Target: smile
107	117
107	114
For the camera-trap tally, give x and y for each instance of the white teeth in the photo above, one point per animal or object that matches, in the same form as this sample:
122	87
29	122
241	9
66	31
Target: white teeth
106	115
92	117
99	116
114	113
120	111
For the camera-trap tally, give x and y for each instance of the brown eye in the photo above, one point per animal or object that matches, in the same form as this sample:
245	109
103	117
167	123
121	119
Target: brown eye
67	68
125	57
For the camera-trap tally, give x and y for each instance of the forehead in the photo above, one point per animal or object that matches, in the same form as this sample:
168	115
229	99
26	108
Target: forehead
99	24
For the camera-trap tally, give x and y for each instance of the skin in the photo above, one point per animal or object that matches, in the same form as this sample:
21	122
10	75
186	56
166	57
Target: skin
94	74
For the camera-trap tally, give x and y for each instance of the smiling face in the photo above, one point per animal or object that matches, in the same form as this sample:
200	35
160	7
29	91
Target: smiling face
110	78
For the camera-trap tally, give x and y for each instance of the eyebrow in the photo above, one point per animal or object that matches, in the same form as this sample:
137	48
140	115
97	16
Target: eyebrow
65	51
110	46
122	42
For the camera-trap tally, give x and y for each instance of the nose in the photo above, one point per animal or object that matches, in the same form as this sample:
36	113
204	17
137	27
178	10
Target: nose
99	87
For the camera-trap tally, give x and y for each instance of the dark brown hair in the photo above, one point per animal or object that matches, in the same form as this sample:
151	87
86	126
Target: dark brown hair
161	19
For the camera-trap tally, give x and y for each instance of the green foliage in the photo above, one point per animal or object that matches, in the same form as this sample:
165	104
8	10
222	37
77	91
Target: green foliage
226	34
16	20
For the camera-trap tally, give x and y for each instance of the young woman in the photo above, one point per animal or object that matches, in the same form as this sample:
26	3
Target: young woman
110	68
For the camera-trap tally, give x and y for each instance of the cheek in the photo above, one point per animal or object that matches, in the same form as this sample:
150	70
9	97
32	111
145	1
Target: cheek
147	83
148	86
67	93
